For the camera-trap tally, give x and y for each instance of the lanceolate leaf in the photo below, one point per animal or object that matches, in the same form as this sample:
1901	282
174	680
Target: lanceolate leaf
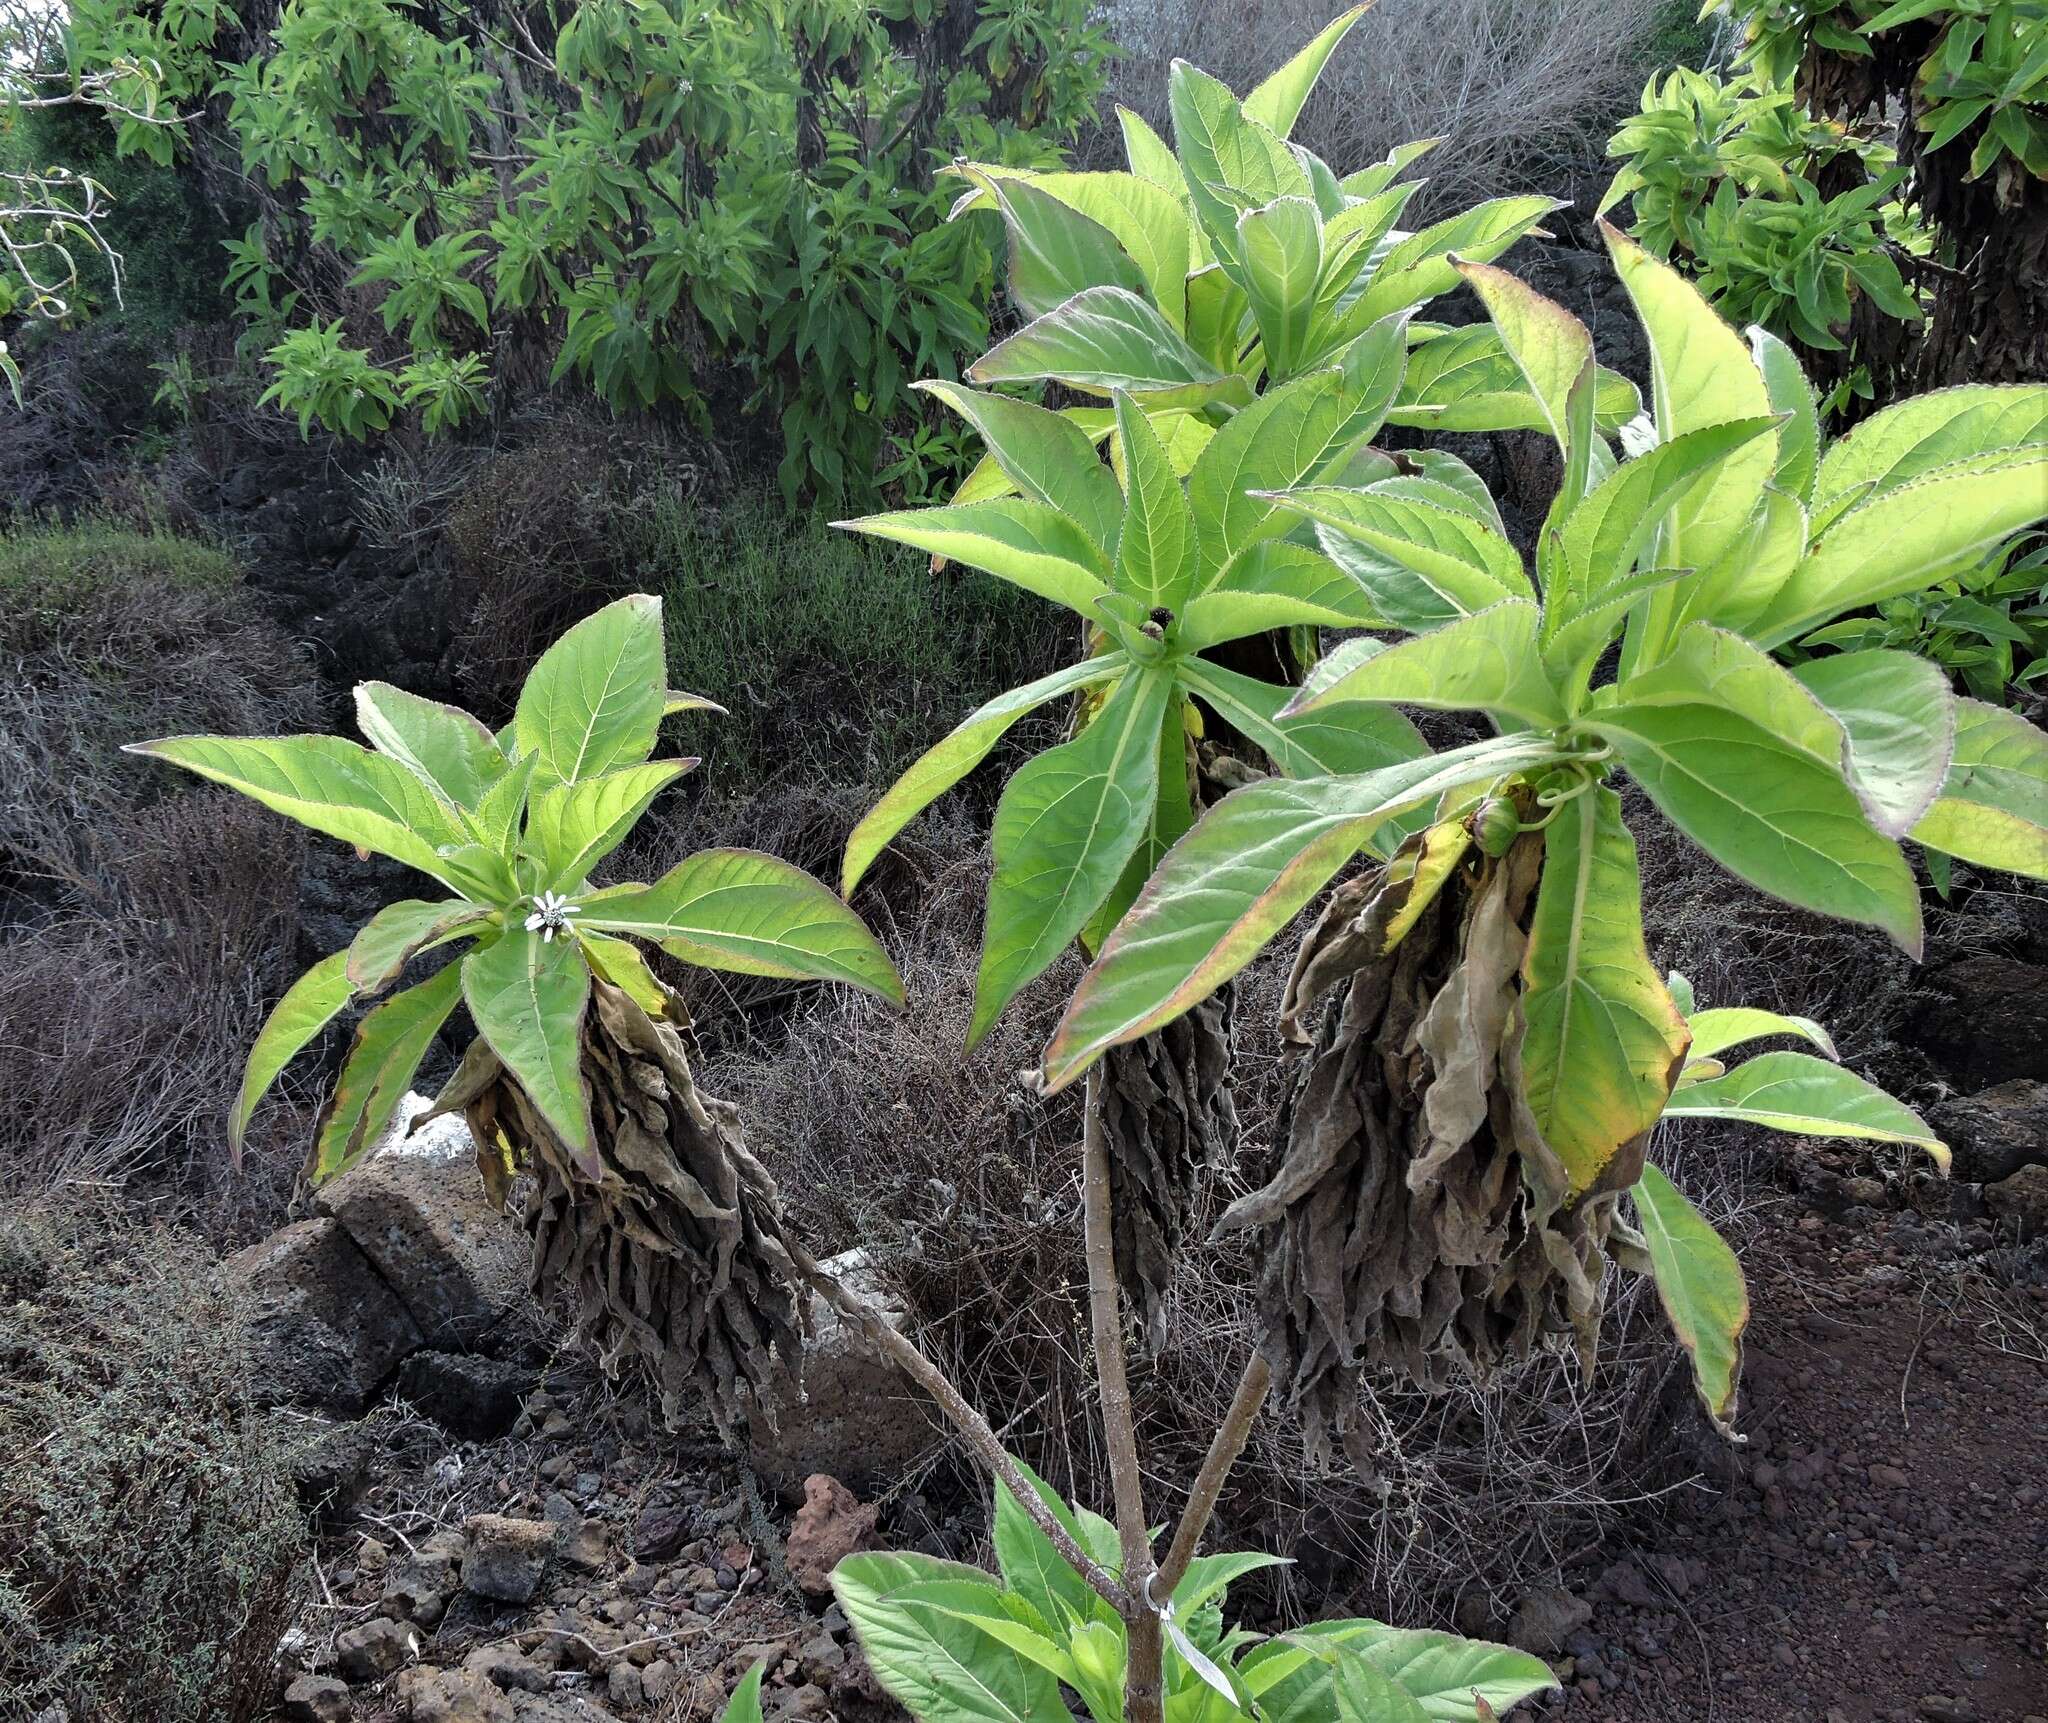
1420	266
1034	1569
942	1669
1701	375
309	1005
1067	823
575	826
1055	250
1604	1040
1895	543
389	1045
1993	805
1276	584
1900	444
1487	661
1457	556
745	1705
1700	1285
378	954
454	752
1277	100
1221	150
1145	218
753	914
1029	544
1441	1672
1808	1097
1799	436
1048	457
1280	245
619	962
1237	879
1549	344
944	764
1726	1026
1763	805
1899	718
1155	558
328	784
594	699
527	996
1106	338
1312	745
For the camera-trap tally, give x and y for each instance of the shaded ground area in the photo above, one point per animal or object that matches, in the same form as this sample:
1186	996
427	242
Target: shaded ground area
1879	1552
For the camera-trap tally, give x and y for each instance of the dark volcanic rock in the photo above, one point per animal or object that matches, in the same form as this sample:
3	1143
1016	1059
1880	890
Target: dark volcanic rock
1996	1131
1985	1020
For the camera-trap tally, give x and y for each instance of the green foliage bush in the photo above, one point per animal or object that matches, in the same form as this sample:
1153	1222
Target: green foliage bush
729	205
148	1521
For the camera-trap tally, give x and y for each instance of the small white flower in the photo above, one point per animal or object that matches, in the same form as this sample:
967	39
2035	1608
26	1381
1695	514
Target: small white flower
551	912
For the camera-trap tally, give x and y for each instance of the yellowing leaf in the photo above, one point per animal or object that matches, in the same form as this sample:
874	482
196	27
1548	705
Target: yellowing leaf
1700	1284
1604	1040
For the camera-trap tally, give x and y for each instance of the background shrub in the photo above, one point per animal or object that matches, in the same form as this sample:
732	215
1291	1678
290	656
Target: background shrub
148	1524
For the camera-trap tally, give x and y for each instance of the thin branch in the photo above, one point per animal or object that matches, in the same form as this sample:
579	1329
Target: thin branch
879	1331
1231	1436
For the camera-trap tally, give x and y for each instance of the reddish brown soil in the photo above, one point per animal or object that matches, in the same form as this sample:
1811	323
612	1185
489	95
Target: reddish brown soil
1879	1551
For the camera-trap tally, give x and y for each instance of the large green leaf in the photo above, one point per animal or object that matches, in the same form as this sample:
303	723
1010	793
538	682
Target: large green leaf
1155	555
308	1006
573	827
1897	542
1743	769
454	752
1048	457
1029	544
1448	1677
1309	745
1906	441
1055	250
1993	806
1466	380
1230	162
946	762
1604	1039
1106	338
1457	556
1792	395
1034	1569
1898	716
1701	374
527	996
1148	220
1807	1097
1288	436
1244	872
1716	1030
1280	250
329	784
1276	584
1549	345
1700	1285
1068	822
1735	588
389	940
753	914
942	1669
1420	267
1487	661
1276	100
594	699
389	1044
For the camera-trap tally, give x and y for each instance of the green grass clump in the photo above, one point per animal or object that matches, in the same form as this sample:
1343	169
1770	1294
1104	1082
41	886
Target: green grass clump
67	568
835	657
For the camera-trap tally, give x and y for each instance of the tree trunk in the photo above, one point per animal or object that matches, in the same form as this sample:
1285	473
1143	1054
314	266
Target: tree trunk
674	1250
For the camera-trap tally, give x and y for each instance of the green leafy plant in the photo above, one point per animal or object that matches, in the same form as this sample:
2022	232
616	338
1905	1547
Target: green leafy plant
1967	83
1236	260
666	207
954	1643
1726	177
1554	1047
576	1073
